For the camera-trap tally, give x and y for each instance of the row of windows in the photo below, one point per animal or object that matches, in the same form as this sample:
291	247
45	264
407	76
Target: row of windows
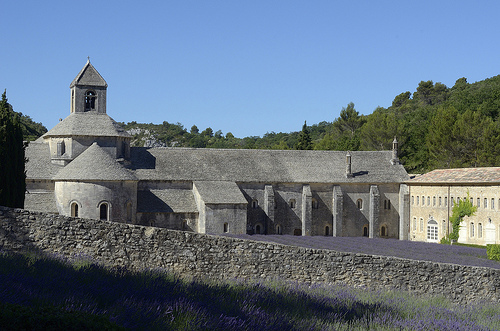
432	228
292	203
103	210
472	230
443	202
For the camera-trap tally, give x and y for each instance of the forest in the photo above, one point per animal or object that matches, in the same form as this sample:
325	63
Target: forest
436	126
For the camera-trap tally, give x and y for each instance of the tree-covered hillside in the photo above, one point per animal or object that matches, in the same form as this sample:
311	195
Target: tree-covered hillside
437	127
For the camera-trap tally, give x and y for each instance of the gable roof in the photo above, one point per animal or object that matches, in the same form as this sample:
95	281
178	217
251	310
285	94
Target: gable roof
94	164
166	201
489	175
87	124
219	192
264	166
88	76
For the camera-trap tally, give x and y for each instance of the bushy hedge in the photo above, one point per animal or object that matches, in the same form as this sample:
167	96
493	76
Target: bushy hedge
493	251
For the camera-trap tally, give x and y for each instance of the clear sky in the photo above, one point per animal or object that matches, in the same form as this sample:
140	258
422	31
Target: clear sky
246	67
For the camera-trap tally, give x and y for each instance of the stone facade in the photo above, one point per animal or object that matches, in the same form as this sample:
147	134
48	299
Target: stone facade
204	256
433	195
85	167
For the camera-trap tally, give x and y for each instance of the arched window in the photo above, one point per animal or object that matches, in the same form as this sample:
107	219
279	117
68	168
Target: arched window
414	224
472	229
74	209
315	204
327	230
365	231
478	202
278	229
480	230
90	98
359	204
412	199
226	228
255	203
383	231
258	229
432	230
434	201
292	203
103	211
129	212
492	203
418	200
421	224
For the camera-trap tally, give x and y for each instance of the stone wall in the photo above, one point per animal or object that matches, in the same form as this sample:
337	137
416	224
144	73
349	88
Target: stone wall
201	256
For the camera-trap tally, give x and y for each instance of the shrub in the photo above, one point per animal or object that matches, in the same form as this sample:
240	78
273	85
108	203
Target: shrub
493	252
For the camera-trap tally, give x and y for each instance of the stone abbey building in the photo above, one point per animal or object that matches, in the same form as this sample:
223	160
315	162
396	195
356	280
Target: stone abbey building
434	194
85	167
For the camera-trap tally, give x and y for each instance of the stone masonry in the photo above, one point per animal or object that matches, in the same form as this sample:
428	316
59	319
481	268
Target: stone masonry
195	256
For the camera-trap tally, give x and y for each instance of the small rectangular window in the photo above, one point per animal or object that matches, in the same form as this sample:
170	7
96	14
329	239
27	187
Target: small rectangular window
485	202
492	203
446	201
478	202
412	199
439	201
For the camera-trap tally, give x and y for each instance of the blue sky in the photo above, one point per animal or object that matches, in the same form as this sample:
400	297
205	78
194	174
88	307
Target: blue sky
246	67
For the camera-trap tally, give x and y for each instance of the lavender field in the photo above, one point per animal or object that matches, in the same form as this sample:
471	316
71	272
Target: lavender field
40	292
413	250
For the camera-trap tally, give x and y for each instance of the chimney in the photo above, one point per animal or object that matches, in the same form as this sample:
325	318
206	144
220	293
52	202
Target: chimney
348	170
395	159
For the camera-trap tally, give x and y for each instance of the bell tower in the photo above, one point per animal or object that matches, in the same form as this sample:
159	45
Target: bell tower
88	91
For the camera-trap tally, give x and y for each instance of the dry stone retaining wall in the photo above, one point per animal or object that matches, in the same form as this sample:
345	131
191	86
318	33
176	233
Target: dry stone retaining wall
205	256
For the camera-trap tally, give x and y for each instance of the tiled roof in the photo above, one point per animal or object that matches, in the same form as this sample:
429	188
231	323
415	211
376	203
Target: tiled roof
220	192
166	201
39	165
88	76
269	166
94	164
459	176
87	124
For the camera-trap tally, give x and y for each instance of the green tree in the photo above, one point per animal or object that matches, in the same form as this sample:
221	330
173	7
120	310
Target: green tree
12	159
461	209
380	129
349	120
440	140
305	142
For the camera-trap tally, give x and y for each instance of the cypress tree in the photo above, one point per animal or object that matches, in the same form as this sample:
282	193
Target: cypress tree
12	159
305	141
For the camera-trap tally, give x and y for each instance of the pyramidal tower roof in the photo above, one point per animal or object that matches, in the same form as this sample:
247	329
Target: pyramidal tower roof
94	164
88	76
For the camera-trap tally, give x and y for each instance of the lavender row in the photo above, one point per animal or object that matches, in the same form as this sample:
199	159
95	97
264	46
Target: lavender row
158	300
